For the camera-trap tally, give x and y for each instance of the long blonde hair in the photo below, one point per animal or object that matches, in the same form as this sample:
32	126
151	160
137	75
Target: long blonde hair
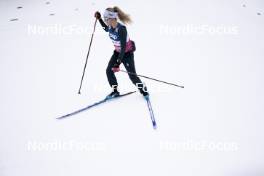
124	17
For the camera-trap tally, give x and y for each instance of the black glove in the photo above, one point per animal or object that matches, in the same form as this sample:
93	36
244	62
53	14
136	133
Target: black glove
97	15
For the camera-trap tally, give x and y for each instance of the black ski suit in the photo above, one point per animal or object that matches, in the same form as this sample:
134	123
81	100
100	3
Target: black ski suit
123	52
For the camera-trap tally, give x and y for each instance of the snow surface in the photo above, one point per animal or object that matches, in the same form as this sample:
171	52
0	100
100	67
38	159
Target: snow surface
221	104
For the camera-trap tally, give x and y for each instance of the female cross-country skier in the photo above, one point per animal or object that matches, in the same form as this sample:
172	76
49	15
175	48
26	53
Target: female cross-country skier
124	49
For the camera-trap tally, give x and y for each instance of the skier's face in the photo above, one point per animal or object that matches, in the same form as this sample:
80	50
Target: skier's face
110	21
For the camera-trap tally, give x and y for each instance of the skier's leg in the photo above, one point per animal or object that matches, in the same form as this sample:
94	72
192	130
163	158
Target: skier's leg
109	72
129	64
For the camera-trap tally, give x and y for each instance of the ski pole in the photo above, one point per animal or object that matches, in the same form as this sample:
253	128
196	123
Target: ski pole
130	73
79	92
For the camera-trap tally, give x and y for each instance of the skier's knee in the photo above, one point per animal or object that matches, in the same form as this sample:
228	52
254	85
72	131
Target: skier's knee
109	70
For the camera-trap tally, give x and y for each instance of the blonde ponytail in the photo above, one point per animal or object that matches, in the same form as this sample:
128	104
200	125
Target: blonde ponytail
125	18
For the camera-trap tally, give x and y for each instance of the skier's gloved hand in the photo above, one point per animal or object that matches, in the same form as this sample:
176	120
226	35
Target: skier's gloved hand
116	69
97	15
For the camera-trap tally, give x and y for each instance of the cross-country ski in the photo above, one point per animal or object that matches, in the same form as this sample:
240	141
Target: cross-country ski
106	99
